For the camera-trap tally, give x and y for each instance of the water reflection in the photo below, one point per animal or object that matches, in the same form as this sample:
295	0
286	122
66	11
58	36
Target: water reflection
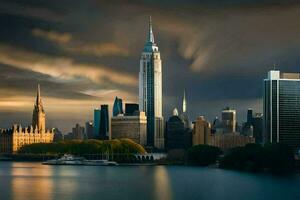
162	187
31	181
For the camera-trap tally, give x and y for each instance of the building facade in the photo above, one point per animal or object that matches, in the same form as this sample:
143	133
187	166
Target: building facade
11	140
133	127
104	123
229	120
97	118
282	108
201	131
230	140
150	91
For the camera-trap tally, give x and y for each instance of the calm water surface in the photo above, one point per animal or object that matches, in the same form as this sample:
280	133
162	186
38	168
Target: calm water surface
26	181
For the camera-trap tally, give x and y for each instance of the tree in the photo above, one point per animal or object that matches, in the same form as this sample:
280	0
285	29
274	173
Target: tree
203	155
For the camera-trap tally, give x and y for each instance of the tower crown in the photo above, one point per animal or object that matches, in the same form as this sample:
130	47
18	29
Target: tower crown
150	45
150	33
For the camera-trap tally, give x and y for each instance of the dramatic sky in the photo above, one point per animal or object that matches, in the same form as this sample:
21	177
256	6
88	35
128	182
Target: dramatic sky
84	53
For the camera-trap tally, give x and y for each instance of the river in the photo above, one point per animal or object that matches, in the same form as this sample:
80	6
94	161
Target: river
33	181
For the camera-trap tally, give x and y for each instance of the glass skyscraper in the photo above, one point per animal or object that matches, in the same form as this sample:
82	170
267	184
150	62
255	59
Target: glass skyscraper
97	116
282	108
104	123
150	91
101	123
117	107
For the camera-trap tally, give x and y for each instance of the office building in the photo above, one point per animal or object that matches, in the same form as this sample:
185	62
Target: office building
229	120
117	107
133	126
130	108
97	118
104	123
282	108
201	131
150	91
11	140
78	133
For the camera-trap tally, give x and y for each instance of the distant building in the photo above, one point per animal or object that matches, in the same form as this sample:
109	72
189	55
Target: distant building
253	126
282	108
201	131
58	136
117	107
97	118
104	123
89	130
257	123
11	140
177	135
78	133
131	108
150	91
229	120
133	127
101	123
230	140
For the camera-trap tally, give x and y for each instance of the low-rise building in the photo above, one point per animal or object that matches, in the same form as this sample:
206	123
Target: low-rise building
133	127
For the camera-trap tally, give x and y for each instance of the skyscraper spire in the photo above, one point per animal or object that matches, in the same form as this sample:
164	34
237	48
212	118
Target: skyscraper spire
150	33
184	102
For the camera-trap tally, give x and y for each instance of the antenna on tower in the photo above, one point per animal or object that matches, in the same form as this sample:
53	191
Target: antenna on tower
275	65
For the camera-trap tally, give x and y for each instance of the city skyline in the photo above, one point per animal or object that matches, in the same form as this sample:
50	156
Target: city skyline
82	64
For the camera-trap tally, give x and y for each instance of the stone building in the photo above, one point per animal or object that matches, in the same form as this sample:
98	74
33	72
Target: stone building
133	127
11	140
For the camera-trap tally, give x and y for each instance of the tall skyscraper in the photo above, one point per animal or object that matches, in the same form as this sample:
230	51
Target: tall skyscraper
117	107
104	123
282	108
150	91
39	116
97	118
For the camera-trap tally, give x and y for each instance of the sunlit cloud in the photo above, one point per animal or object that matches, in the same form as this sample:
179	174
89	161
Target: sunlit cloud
70	44
53	36
105	49
60	68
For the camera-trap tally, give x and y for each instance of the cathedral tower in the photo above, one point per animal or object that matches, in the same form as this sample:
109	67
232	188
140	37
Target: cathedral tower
39	116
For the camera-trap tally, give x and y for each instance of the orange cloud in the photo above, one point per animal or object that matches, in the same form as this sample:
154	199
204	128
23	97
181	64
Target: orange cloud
64	69
53	36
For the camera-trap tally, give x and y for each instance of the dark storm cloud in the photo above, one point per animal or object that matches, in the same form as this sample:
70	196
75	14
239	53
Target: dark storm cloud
219	51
